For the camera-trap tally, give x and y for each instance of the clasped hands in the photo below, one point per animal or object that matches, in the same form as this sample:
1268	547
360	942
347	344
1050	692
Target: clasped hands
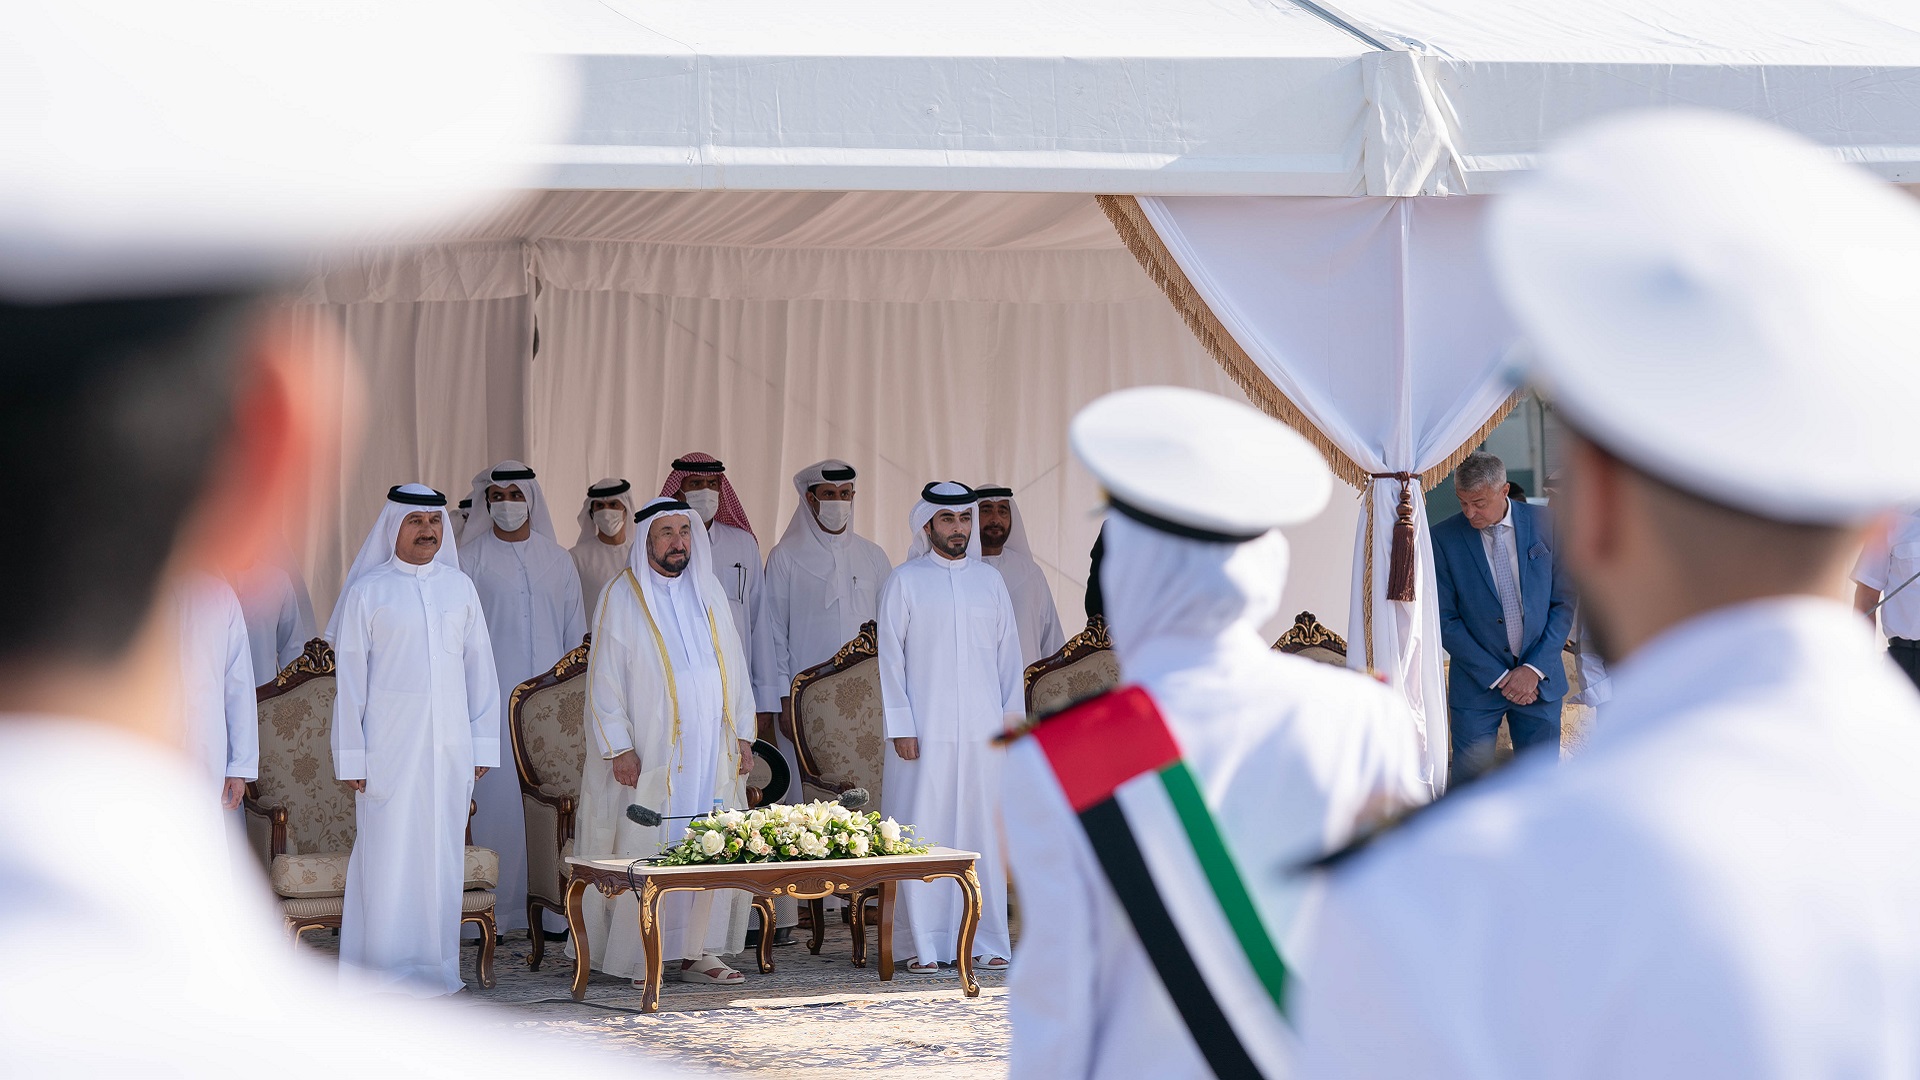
1521	686
626	764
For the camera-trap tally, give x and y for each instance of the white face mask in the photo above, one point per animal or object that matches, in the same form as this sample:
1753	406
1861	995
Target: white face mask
509	516
609	521
705	502
835	513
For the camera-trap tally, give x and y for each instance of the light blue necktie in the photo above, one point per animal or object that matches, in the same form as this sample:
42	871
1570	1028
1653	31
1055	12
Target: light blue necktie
1503	562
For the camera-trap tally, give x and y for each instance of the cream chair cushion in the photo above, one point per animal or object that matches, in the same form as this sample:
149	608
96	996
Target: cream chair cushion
552	730
844	724
1323	654
308	877
296	768
1087	677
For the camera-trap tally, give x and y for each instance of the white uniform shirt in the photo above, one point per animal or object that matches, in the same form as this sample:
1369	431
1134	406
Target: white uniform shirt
196	1020
1884	565
1719	885
804	616
1288	754
217	686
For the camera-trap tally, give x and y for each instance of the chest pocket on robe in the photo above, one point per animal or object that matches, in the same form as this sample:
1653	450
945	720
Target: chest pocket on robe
453	631
986	629
1902	561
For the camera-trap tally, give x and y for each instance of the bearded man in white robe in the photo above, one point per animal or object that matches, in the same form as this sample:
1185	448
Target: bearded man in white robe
530	591
950	679
1004	546
415	724
667	706
606	537
217	688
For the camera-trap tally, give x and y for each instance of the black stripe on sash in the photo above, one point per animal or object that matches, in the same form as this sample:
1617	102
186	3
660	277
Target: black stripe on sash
1126	870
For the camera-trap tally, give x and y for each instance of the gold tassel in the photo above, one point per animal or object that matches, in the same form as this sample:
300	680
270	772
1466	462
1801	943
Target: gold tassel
1400	567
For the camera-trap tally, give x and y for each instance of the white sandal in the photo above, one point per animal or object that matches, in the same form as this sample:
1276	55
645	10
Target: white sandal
704	971
916	967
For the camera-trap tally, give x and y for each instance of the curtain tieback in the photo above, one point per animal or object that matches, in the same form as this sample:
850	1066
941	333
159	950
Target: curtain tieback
1400	565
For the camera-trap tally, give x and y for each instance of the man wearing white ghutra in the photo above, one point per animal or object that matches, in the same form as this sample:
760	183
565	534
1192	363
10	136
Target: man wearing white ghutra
669	710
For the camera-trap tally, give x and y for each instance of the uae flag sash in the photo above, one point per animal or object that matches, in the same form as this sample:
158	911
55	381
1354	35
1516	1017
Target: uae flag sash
1170	866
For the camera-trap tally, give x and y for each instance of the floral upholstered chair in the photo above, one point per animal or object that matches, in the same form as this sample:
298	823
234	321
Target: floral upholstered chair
1084	667
839	731
547	715
1308	638
308	815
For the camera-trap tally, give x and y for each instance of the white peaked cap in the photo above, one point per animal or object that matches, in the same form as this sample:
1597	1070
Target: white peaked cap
206	144
1724	307
1199	465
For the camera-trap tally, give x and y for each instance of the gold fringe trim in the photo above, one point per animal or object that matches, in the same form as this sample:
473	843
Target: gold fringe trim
1452	461
1138	235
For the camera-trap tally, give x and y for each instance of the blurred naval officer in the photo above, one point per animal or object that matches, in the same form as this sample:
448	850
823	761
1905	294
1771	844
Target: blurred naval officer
1149	825
1887	581
1722	882
166	167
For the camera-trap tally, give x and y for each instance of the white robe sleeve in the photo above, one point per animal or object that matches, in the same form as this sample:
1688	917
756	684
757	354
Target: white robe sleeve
573	611
350	675
608	671
242	712
892	633
772	664
1008	662
1051	990
483	687
1052	637
291	631
756	579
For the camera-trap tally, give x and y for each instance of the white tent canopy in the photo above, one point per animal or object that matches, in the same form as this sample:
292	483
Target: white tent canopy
1195	97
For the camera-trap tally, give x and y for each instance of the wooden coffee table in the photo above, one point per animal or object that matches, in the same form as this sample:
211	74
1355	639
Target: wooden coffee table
809	880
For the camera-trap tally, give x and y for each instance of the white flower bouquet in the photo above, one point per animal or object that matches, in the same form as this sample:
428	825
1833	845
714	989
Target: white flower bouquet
780	833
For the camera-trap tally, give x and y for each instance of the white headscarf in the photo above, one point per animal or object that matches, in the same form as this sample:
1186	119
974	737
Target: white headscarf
677	602
1017	532
377	550
481	523
1157	585
590	531
923	512
817	551
700	559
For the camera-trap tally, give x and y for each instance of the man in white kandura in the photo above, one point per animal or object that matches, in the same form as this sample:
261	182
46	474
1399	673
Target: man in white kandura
950	682
1718	884
1150	828
700	481
217	686
606	538
531	593
667	709
279	618
1003	544
415	724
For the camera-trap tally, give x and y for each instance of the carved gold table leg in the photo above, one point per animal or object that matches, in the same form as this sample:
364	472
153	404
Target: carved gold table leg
857	922
817	933
577	934
650	944
764	905
886	930
969	923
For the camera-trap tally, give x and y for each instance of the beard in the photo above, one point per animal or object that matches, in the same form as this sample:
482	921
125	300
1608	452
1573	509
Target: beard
955	545
994	536
673	562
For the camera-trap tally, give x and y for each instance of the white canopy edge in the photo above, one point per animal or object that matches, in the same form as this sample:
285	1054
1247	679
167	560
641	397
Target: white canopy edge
1194	97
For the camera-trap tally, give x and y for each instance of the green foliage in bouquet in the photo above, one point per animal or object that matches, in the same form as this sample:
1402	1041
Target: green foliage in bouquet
816	830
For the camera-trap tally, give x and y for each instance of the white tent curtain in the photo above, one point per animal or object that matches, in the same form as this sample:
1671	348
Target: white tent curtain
1376	318
919	335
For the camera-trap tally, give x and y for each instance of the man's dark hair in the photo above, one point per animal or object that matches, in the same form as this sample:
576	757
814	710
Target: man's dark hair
110	415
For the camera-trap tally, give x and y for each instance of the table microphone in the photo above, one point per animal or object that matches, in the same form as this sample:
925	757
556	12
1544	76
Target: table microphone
852	799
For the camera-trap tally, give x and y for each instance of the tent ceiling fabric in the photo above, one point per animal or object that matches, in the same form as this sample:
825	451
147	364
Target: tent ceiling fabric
1194	97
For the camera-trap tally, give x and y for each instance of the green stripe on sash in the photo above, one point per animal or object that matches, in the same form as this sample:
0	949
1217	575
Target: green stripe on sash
1231	892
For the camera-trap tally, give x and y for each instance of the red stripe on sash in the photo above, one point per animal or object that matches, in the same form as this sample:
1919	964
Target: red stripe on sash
1097	745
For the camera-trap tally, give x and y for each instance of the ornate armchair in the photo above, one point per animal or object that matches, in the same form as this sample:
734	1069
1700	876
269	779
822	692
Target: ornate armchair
1308	638
307	816
547	714
839	729
1084	667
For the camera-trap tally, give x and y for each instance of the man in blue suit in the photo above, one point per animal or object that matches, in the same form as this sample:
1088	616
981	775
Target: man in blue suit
1505	611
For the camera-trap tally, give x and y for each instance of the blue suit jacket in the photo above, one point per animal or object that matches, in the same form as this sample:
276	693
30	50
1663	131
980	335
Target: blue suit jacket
1471	623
